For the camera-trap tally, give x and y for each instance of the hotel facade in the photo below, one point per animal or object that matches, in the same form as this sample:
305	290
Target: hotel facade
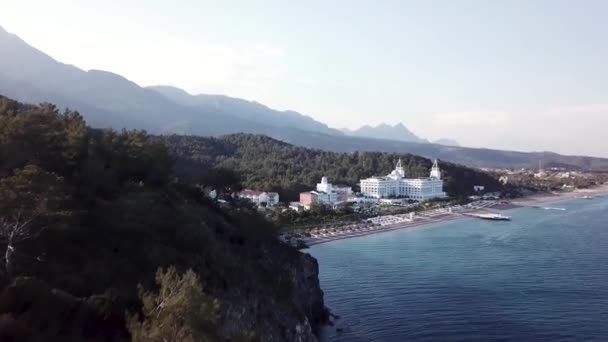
326	193
260	198
396	185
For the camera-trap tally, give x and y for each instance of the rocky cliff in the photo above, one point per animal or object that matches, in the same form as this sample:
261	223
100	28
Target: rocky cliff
293	316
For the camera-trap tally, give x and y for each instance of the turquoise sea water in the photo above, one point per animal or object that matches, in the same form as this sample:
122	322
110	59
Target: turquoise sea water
541	277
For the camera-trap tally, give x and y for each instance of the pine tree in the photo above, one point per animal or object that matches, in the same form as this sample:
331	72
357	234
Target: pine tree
180	311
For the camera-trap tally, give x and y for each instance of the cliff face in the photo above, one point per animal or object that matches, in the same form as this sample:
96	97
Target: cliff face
308	294
292	311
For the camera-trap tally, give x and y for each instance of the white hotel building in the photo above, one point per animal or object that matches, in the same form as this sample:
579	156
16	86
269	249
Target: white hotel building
260	198
396	185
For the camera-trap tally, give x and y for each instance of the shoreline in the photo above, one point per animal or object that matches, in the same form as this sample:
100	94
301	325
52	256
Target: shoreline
558	197
530	201
412	224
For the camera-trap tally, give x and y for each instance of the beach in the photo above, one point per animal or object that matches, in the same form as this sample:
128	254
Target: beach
547	198
457	212
411	224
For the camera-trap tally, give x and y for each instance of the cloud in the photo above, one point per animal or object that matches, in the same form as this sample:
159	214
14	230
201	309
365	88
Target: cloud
600	108
471	119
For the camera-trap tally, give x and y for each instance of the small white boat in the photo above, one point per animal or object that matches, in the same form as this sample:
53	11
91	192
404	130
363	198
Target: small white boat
491	216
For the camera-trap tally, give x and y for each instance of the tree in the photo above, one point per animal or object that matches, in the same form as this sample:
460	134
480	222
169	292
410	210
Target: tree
223	181
180	311
30	200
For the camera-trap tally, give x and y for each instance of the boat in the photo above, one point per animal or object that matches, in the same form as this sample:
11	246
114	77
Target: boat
587	197
548	208
494	217
490	216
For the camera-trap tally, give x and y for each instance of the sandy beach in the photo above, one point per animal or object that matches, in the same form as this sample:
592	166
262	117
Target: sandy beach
415	223
427	217
561	196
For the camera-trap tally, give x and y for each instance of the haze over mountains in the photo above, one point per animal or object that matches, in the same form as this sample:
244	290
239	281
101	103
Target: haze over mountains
447	142
397	132
244	110
384	131
110	100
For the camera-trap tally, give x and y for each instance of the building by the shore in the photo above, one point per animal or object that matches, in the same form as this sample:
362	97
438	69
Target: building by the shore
260	198
396	185
308	198
338	194
326	194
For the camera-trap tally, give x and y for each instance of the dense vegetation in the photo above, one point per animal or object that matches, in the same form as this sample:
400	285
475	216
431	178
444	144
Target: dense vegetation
551	181
267	164
88	217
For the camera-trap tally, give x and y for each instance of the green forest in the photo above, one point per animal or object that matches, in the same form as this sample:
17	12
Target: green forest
102	242
263	163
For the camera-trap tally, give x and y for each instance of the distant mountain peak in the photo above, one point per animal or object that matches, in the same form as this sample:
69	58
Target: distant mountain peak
386	131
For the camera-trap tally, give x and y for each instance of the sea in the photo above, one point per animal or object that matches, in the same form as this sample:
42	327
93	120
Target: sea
543	276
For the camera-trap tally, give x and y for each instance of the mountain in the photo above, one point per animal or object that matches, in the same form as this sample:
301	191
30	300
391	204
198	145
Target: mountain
384	131
475	157
243	109
446	142
110	100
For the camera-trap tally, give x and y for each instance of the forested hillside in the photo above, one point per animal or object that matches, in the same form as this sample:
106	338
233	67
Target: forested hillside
103	243
267	164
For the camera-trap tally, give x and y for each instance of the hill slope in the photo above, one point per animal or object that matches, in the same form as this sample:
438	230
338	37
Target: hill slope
268	164
246	110
96	213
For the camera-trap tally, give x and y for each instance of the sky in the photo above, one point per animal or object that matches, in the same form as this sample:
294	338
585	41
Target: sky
528	75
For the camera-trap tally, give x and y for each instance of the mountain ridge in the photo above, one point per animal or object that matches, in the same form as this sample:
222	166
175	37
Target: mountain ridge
104	91
107	100
244	109
385	131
